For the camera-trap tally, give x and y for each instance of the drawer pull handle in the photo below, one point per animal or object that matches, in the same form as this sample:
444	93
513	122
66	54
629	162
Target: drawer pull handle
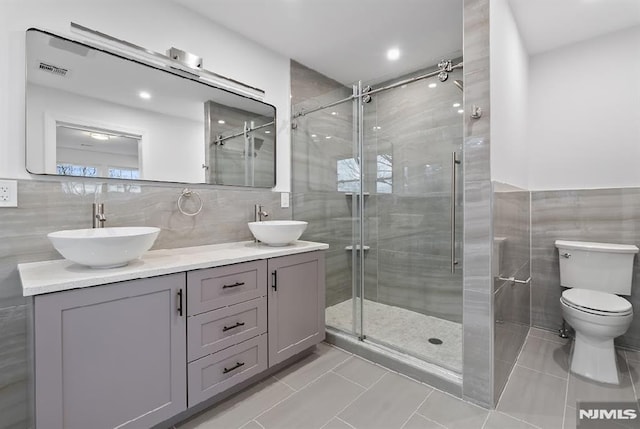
233	285
236	366
226	328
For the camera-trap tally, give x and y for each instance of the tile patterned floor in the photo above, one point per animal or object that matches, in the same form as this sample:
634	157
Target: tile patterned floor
333	389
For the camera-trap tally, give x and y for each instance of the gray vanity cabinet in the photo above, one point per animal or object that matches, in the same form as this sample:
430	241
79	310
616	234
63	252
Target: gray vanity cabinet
111	356
295	304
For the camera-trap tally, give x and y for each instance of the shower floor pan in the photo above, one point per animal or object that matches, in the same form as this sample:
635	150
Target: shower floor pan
404	330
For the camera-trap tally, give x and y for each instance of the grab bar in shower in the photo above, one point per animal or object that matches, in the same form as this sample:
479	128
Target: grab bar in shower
454	163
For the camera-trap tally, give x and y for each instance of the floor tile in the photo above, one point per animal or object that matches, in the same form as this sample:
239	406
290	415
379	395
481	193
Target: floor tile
586	390
633	370
569	418
313	406
499	420
419	422
536	398
336	423
360	371
388	404
323	359
632	355
251	425
241	408
548	335
452	412
546	356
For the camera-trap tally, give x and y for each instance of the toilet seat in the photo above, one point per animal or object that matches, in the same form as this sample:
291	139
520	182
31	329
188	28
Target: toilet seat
596	302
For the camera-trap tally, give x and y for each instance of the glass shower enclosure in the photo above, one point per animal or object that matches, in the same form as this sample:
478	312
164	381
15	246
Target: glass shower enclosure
376	173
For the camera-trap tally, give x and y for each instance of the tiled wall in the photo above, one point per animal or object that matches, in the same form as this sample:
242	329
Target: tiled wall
407	228
47	205
511	258
477	385
604	215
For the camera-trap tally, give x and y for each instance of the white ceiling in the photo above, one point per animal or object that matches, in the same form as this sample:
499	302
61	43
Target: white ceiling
549	24
346	40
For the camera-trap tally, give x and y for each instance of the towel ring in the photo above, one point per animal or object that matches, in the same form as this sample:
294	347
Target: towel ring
188	193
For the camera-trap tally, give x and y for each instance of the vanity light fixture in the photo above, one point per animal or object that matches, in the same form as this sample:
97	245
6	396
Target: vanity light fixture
393	54
144	95
99	136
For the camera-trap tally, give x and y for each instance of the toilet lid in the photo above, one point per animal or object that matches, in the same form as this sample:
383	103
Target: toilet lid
595	300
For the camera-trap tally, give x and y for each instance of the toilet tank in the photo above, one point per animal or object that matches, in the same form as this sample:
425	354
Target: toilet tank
604	267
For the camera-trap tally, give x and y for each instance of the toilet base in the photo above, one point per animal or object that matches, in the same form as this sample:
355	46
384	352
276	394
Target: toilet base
595	358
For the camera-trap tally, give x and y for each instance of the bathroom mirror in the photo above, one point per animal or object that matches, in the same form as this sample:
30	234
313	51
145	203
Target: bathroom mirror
93	113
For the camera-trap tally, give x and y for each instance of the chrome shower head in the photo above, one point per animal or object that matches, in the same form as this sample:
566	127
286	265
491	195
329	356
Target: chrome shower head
459	84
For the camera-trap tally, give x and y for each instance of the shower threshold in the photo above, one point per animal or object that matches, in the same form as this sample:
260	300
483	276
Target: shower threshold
431	374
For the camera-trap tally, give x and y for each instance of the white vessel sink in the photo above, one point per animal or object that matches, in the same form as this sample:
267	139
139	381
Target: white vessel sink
104	247
277	232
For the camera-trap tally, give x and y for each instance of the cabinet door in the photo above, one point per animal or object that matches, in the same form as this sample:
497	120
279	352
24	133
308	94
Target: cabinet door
296	304
111	356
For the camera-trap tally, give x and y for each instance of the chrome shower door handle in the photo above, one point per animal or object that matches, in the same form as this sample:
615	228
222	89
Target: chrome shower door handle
454	163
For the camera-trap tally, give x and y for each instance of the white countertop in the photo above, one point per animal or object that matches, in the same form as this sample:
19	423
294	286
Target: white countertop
62	274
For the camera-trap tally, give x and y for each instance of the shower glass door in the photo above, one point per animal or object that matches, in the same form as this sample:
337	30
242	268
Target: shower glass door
376	181
412	218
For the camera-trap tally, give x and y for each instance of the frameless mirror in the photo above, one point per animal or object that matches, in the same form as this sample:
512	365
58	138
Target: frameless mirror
94	113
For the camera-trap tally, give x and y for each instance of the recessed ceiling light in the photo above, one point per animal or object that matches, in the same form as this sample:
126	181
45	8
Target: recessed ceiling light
456	104
221	121
433	85
376	128
99	136
334	113
327	137
393	54
267	132
144	95
314	135
404	86
461	111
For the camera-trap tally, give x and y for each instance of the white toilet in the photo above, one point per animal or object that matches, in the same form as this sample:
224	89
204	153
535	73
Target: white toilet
596	274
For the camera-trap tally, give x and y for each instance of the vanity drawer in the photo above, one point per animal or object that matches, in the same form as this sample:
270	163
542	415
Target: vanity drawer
217	372
215	288
218	329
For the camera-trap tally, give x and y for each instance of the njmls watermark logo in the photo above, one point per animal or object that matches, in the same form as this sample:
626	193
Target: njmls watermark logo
605	415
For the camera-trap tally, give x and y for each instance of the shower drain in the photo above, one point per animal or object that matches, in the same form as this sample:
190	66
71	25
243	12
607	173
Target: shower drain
436	341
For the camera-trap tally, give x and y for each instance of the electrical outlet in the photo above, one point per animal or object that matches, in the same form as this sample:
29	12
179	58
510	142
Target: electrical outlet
8	193
284	200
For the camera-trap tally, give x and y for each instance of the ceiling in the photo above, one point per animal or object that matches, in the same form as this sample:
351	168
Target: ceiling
346	40
549	24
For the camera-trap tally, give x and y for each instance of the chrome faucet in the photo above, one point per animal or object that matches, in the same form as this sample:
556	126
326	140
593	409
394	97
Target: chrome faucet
260	213
98	215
